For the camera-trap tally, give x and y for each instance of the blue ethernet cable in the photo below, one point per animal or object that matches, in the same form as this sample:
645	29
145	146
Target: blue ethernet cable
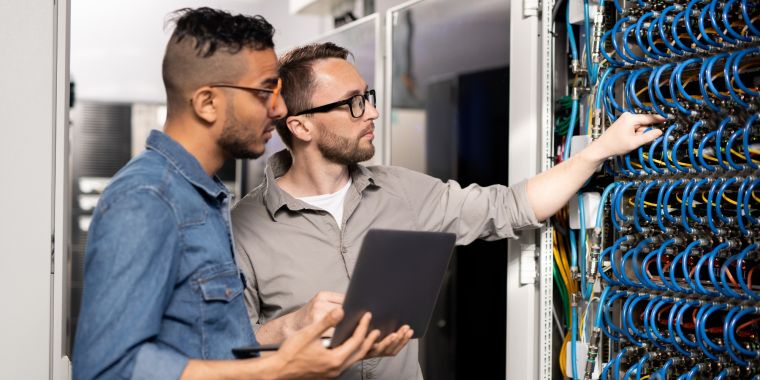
653	321
679	82
640	365
571	34
613	62
684	267
735	69
710	202
600	268
652	149
727	24
727	77
673	266
709	77
626	320
717	28
658	92
637	200
618	203
658	261
679	322
719	200
740	206
674	154
747	196
628	313
740	275
637	32
731	332
592	69
703	88
723	271
745	140
671	321
726	337
730	148
711	274
615	43
650	40
661	29
676	37
719	140
702	331
626	33
603	201
609	91
574	341
700	152
690	208
646	316
687	23
630	85
666	200
748	20
665	150
699	288
632	253
645	274
691	136
674	74
702	31
647	218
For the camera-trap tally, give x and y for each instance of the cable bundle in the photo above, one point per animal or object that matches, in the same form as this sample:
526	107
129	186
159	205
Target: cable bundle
680	264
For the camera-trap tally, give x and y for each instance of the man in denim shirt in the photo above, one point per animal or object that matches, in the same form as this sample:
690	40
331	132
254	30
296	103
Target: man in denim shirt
163	296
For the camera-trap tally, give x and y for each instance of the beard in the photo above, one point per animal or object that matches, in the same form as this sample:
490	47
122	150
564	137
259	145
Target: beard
237	138
343	150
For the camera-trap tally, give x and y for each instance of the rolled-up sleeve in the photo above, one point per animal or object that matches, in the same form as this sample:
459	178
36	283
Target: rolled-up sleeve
130	269
474	212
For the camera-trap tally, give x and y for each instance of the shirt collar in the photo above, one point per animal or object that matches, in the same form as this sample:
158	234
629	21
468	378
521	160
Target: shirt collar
278	164
186	164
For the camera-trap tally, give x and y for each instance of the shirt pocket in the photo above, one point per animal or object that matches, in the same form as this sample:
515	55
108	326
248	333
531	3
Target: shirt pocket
219	286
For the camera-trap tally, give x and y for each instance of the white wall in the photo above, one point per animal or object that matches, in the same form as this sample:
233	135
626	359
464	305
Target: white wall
117	46
27	106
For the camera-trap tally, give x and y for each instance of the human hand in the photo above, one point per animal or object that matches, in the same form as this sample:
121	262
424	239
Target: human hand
627	133
392	344
317	308
304	356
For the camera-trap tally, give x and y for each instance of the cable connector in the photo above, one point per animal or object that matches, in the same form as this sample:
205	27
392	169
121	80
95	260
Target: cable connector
596	249
593	351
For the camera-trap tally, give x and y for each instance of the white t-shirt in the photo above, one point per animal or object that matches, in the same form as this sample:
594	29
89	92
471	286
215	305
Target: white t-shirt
332	203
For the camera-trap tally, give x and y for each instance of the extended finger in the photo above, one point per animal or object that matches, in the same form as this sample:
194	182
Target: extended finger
365	347
316	330
646	119
357	338
402	342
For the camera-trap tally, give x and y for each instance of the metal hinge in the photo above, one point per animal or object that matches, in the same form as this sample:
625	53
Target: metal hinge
52	254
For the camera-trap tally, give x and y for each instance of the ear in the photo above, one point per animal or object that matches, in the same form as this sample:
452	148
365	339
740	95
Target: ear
300	127
206	104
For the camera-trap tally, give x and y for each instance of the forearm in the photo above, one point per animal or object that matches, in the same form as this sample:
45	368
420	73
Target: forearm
549	191
260	369
276	330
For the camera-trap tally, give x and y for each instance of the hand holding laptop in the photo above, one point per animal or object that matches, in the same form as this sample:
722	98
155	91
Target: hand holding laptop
324	302
304	353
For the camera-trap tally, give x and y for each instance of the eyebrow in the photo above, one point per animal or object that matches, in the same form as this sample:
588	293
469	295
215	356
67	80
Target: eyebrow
356	92
270	82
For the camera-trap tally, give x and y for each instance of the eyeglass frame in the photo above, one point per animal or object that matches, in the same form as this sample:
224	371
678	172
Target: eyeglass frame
331	106
274	91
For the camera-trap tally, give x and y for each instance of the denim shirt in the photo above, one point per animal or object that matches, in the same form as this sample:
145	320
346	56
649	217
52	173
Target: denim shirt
160	285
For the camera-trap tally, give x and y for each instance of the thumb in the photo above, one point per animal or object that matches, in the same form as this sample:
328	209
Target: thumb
315	330
648	137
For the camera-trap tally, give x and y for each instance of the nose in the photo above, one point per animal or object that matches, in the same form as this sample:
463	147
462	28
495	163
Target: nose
279	109
371	112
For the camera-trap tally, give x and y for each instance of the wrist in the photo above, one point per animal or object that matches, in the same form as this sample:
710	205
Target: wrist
593	154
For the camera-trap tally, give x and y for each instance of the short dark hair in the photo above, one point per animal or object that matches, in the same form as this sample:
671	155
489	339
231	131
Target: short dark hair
298	79
203	46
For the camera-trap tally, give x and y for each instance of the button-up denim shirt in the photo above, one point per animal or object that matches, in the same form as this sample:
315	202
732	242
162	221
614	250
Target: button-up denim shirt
160	282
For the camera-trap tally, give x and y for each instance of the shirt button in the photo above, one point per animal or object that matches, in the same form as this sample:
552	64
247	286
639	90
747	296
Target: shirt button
343	249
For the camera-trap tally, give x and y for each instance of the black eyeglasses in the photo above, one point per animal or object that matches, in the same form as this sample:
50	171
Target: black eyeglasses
356	104
271	93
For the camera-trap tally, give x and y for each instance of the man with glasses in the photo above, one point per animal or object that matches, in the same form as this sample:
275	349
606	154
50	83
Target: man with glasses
299	233
162	293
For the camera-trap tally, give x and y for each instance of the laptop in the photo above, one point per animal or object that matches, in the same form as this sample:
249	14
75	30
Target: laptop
398	277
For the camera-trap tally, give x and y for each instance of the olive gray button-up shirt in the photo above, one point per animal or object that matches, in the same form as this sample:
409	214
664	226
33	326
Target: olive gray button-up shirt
290	250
